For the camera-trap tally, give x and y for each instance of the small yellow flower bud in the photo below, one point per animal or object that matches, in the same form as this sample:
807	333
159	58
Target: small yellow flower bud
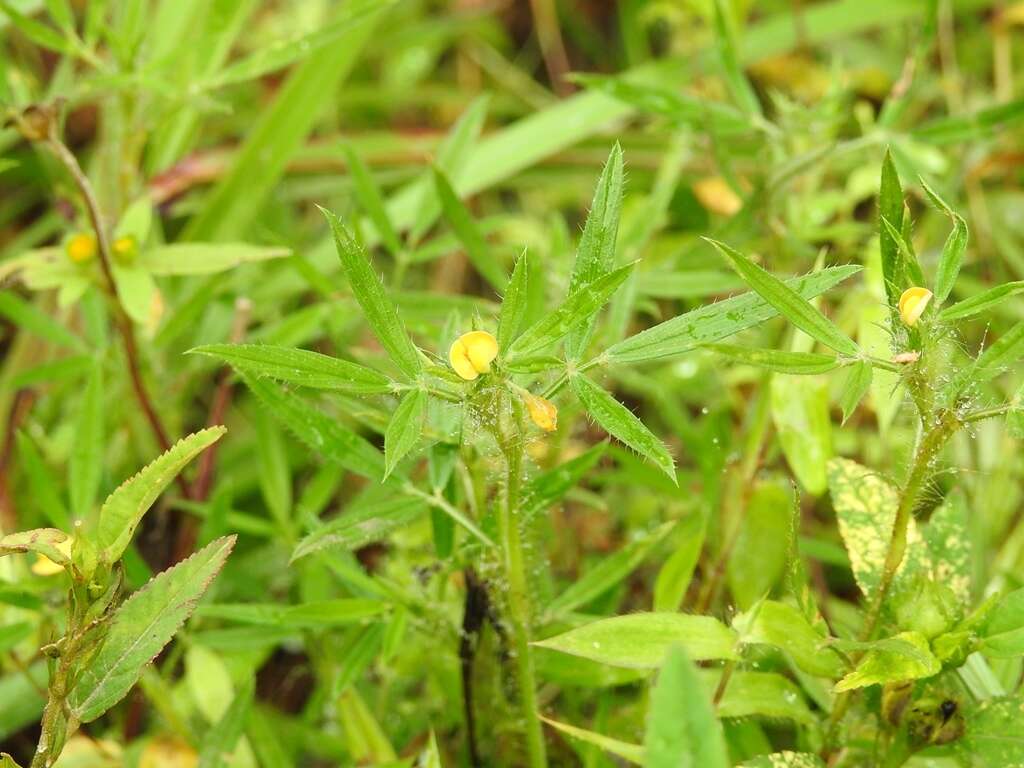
44	566
472	353
125	249
912	304
82	247
543	412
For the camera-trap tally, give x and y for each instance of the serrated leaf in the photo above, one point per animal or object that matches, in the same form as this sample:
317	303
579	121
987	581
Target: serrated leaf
326	436
619	422
142	626
903	657
788	302
205	258
45	541
514	304
890	209
713	322
300	366
379	310
682	730
641	640
573	313
124	508
780	361
595	255
404	429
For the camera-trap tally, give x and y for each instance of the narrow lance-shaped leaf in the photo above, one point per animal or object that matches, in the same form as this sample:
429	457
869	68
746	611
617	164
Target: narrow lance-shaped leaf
788	302
300	366
514	304
713	322
573	313
619	422
952	252
781	361
142	626
633	753
682	730
369	292
124	508
372	201
34	320
890	208
404	429
220	740
857	383
466	229
595	255
981	302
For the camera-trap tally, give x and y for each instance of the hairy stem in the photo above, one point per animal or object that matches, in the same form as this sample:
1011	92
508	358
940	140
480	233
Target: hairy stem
514	563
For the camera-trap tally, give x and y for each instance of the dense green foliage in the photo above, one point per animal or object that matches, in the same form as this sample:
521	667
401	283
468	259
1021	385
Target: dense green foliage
547	383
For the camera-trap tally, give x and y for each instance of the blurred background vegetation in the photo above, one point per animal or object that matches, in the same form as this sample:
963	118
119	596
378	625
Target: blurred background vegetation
764	127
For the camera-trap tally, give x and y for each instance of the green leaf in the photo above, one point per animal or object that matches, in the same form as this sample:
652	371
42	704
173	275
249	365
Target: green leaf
85	468
784	759
758	557
999	358
309	615
903	657
142	626
713	322
865	507
801	417
633	753
465	228
124	508
574	312
788	302
42	483
619	422
299	366
514	304
675	575
856	385
890	209
40	34
369	520
595	255
785	627
728	57
379	310
219	742
682	730
237	199
992	734
281	53
974	126
135	290
404	429
205	258
975	305
324	435
952	252
641	640
32	319
44	541
780	361
1004	631
610	571
759	694
371	201
548	487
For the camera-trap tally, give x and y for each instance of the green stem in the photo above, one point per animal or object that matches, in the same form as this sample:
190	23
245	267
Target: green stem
518	604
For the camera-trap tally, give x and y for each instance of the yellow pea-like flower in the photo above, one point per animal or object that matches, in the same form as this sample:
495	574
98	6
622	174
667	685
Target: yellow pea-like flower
81	247
44	566
125	249
913	303
543	412
471	354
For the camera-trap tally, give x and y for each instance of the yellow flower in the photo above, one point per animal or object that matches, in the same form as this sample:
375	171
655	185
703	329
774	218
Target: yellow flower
543	412
81	247
913	303
44	566
125	249
472	353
